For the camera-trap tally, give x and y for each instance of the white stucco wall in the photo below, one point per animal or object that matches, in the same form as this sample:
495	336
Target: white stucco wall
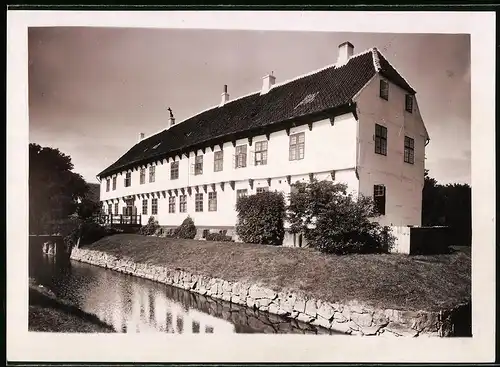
327	148
403	181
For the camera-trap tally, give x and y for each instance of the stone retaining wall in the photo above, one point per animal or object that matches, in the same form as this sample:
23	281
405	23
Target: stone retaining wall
351	318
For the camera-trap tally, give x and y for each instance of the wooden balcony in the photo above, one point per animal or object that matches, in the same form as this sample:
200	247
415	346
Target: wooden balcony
119	220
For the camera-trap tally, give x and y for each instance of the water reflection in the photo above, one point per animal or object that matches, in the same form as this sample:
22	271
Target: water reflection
134	305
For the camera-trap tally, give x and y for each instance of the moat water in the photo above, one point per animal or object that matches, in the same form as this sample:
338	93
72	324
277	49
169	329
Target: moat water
135	305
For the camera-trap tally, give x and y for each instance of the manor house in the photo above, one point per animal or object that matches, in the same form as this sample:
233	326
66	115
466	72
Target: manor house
355	121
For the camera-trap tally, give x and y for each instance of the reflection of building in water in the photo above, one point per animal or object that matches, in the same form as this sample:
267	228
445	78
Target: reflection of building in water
133	306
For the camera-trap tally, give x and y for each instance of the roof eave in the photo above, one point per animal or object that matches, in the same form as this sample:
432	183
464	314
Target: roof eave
347	107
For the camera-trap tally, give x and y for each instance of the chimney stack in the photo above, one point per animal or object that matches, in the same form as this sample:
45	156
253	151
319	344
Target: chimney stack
267	83
141	136
225	96
346	51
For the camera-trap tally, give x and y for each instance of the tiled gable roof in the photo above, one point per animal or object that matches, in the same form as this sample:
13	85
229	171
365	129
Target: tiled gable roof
325	90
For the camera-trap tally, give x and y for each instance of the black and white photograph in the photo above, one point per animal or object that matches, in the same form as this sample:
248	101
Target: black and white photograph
221	182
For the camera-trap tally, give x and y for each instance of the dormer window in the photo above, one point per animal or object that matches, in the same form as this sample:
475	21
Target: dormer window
409	103
384	89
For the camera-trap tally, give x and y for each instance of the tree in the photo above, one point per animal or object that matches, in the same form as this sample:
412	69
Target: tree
54	189
334	221
448	205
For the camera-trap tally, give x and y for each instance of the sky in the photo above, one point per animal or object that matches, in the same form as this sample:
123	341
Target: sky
93	90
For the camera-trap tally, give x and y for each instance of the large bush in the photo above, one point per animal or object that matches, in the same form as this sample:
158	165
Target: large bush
88	232
186	230
150	228
333	221
261	217
219	237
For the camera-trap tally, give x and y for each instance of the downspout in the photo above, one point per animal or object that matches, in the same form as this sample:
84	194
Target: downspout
355	114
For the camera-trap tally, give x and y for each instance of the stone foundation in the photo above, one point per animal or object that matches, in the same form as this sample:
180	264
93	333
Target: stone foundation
350	318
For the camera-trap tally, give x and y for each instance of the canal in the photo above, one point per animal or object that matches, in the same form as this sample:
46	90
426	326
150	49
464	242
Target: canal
135	305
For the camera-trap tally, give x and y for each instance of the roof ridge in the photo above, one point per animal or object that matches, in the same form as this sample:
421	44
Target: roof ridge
387	60
272	87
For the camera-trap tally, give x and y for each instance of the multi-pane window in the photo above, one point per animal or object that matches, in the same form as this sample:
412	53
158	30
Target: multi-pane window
380	139
379	198
261	153
409	150
198	202
297	143
128	179
154	206
212	201
240	193
171	204
241	156
116	208
144	207
174	170
108	181
409	103
384	89
183	204
142	176
262	189
152	170
114	183
110	209
218	161
198	165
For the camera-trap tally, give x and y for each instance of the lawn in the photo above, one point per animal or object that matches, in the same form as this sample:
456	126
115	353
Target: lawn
381	280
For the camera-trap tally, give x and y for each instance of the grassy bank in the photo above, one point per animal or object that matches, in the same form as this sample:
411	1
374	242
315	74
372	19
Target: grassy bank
48	314
387	281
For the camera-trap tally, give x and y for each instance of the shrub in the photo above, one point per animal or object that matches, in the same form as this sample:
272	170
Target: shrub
219	237
333	221
88	232
186	230
150	228
261	217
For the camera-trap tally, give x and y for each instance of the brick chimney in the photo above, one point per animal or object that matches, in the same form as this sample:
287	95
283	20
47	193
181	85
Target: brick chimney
225	97
267	82
346	51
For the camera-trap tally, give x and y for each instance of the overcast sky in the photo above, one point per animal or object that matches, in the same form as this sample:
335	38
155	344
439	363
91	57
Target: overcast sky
93	90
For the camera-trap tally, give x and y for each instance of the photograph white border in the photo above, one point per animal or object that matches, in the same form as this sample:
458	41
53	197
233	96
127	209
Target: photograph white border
42	347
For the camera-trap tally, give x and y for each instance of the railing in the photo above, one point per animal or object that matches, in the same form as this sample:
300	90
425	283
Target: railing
110	219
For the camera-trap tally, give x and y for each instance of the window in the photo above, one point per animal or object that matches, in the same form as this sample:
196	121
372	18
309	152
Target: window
409	103
240	193
108	181
142	176
212	201
409	150
297	142
174	170
110	209
261	153
152	173
241	156
198	202
262	189
380	139
182	204
384	89
145	207
128	179
198	165
116	208
379	198
171	204
218	161
154	206
114	183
